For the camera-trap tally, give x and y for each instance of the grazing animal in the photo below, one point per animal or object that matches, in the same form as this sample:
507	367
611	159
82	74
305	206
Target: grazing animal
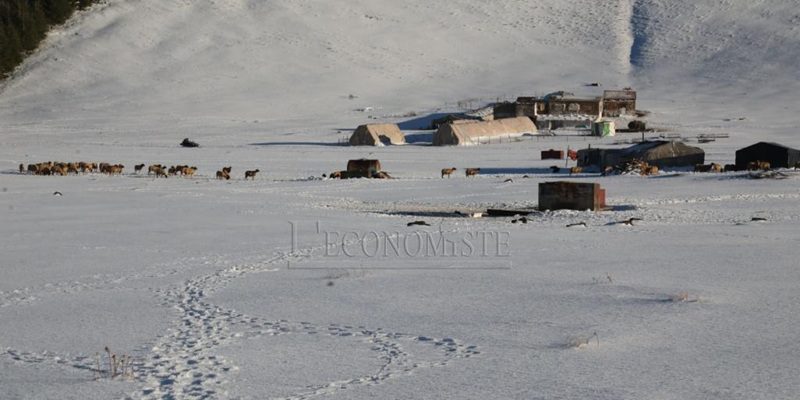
226	170
223	175
555	169
33	168
58	170
758	166
157	170
115	169
22	168
583	224
575	170
448	171
704	168
138	168
251	174
381	175
472	171
423	223
188	171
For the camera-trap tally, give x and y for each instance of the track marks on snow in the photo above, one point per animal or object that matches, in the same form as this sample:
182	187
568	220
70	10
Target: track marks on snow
183	363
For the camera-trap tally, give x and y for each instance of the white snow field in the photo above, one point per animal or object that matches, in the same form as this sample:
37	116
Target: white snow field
205	284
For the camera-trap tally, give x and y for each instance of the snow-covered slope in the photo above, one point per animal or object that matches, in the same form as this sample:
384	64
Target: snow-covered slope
293	63
247	60
730	42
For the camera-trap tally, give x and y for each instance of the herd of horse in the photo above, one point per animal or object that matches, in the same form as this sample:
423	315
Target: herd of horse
156	170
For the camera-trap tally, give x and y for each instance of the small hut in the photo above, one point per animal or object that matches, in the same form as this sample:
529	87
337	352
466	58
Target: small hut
377	135
564	195
552	154
471	133
364	167
777	155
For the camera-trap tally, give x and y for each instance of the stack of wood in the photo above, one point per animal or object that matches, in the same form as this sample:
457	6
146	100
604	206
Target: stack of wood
633	167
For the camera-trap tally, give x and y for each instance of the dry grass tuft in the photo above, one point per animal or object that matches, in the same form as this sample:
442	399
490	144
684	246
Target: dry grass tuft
117	366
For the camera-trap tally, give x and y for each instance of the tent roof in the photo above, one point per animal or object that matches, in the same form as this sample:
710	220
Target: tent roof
661	149
771	144
370	134
468	132
494	128
651	144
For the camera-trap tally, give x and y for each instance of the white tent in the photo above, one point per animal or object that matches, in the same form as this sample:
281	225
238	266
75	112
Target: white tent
469	132
377	135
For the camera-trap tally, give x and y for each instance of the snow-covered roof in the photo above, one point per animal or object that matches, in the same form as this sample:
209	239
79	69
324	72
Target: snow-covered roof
565	117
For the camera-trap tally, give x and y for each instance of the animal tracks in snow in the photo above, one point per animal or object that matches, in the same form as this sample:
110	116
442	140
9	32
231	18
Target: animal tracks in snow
184	363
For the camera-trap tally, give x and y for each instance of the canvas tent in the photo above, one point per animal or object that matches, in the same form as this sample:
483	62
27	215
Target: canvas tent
377	135
661	153
777	155
469	133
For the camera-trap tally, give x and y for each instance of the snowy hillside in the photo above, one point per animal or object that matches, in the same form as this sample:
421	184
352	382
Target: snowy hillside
208	288
293	63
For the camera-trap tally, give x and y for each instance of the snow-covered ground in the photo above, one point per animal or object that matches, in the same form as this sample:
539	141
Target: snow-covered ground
204	283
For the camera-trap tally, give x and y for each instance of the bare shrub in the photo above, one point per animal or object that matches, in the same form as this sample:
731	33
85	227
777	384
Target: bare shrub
116	366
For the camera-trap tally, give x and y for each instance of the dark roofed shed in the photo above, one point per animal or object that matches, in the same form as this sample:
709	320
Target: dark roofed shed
661	153
778	155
